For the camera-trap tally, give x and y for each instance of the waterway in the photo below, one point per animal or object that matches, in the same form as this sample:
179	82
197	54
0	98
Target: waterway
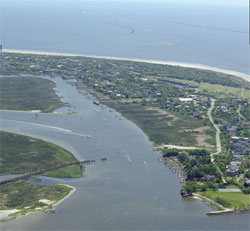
112	195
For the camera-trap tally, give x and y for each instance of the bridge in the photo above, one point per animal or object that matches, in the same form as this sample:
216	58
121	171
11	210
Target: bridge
41	171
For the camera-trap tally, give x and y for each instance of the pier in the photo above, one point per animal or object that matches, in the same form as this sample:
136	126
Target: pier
39	172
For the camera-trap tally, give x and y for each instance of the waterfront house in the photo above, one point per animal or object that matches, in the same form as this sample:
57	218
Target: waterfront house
209	178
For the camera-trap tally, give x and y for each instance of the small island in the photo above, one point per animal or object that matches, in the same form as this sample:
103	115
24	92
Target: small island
22	154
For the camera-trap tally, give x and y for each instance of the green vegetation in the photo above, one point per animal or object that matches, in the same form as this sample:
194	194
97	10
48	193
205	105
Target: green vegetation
21	154
27	93
22	194
72	66
197	164
228	199
160	128
170	104
222	91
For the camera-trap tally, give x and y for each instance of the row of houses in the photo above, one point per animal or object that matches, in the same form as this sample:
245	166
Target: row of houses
240	146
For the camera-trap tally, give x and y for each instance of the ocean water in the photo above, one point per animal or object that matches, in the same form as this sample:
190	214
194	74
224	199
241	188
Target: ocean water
210	34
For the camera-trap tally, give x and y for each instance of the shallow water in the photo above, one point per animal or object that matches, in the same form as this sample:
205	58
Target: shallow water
115	194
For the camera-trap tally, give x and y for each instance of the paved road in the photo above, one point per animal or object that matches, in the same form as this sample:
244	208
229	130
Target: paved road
238	111
218	143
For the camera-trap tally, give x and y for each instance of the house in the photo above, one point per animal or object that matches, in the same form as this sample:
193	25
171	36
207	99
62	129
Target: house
239	158
185	100
223	108
231	131
224	104
233	169
236	119
209	178
197	115
237	163
247	183
226	124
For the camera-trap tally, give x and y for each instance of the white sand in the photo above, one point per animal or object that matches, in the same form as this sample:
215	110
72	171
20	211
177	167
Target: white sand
47	202
5	213
71	192
177	147
172	63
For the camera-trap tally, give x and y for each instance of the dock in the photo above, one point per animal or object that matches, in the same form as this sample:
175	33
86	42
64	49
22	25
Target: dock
41	171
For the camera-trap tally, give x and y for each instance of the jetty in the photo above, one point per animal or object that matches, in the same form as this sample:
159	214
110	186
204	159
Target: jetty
221	212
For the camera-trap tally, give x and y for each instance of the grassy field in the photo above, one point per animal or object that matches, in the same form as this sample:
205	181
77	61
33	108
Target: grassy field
27	93
215	88
235	199
22	154
22	194
161	129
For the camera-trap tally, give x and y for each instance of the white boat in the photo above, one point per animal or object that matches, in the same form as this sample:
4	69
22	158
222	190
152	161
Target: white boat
160	159
129	159
96	102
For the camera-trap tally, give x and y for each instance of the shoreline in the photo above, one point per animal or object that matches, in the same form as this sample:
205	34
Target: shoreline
171	63
73	189
213	205
8	214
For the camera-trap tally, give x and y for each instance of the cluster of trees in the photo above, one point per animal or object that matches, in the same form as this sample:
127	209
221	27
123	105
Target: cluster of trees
247	174
197	163
192	186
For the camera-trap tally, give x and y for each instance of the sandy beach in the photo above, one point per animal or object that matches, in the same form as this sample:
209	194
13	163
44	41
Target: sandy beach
172	63
70	193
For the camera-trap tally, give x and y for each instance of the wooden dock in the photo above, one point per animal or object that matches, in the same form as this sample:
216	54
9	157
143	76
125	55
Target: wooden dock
39	172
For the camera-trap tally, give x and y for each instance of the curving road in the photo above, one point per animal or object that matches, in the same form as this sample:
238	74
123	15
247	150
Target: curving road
218	143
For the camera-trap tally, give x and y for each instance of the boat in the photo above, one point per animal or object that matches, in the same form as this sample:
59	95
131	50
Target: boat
129	159
160	159
181	180
96	102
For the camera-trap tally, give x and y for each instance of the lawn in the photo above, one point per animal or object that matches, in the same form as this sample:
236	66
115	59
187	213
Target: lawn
236	199
21	154
28	93
216	88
